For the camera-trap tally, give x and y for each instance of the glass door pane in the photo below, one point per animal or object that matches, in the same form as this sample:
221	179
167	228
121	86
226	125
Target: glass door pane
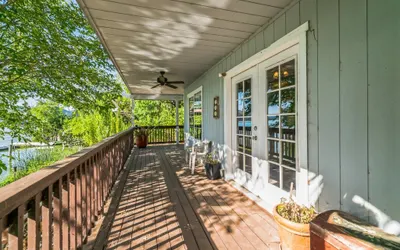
244	124
281	112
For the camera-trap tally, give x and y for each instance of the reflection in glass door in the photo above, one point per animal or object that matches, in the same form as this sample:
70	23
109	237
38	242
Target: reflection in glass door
281	124
244	125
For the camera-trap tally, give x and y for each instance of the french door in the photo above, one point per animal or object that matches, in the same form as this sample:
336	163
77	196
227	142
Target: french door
245	99
264	127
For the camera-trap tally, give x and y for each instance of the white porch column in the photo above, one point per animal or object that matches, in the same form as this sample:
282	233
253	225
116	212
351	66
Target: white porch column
133	112
177	121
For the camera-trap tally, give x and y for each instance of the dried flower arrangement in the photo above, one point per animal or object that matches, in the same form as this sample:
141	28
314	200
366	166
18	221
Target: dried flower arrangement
292	211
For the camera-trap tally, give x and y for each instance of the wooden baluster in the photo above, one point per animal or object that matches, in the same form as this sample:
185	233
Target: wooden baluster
101	182
96	185
88	197
12	232
72	209
16	229
94	188
65	211
78	183
34	223
16	233
3	231
57	204
108	170
100	187
103	175
83	201
47	218
121	154
92	192
117	161
111	165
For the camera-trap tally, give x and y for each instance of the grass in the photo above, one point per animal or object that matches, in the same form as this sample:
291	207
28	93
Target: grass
33	161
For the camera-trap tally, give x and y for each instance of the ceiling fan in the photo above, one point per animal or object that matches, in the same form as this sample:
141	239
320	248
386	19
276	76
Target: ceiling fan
163	81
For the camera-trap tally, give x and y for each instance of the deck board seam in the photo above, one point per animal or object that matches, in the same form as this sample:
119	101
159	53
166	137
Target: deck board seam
198	219
183	220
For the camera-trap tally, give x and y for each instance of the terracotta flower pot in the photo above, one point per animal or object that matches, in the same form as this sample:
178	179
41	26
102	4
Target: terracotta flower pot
141	141
293	235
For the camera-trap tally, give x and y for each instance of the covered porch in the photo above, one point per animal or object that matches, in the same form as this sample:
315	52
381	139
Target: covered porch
115	196
158	204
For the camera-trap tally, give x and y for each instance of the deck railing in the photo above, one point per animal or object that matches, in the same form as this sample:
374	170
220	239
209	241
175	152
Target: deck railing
164	134
56	207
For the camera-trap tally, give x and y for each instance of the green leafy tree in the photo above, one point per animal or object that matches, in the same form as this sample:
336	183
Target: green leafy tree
89	127
157	113
51	120
49	51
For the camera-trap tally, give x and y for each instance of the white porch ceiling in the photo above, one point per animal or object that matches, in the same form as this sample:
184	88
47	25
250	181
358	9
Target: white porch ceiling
182	37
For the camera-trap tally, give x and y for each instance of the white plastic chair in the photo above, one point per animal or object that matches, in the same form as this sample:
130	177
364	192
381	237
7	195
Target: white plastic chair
189	143
199	151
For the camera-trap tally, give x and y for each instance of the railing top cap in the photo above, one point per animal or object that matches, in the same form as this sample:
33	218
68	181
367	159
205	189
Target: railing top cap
20	191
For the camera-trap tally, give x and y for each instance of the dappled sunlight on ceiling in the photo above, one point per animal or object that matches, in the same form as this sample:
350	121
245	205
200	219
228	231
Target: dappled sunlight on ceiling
183	38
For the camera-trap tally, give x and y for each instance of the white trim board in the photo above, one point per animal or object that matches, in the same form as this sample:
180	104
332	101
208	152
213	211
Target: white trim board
294	37
195	92
188	96
157	97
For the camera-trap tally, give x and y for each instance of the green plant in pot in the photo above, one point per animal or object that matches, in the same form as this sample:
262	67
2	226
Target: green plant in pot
212	166
293	223
141	136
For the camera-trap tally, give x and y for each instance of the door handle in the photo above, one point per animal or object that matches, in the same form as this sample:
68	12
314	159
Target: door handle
254	137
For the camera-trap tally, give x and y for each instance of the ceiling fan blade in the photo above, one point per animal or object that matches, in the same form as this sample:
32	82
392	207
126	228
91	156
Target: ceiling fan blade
171	86
177	82
155	86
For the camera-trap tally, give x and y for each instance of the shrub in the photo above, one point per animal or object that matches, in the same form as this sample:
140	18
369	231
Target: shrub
33	161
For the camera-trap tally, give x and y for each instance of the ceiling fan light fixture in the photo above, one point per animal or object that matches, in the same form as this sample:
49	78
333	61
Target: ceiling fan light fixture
163	81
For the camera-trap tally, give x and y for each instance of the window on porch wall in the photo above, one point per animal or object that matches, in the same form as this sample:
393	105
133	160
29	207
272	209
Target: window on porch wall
281	115
195	115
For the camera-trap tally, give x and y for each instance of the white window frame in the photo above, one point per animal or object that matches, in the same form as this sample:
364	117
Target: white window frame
188	96
296	37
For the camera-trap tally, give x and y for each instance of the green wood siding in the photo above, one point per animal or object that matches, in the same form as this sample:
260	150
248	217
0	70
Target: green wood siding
328	103
353	98
353	104
383	106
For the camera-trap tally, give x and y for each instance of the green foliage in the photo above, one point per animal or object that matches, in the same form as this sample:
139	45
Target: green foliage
87	128
157	113
142	132
37	160
49	51
292	211
51	119
211	159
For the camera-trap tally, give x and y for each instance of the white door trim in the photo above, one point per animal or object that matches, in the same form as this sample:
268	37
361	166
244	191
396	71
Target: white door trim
188	96
296	37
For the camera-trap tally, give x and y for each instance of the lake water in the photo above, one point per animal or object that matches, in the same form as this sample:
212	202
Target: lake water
6	141
18	153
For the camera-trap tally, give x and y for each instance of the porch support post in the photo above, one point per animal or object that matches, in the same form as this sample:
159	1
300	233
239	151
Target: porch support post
177	121
133	111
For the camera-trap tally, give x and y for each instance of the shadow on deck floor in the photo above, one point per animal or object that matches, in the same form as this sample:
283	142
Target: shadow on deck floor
163	206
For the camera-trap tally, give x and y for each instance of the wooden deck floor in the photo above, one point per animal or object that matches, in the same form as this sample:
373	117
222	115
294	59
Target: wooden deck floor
163	206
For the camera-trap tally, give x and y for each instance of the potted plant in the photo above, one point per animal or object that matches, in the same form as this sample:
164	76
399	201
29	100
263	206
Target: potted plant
212	167
141	136
293	222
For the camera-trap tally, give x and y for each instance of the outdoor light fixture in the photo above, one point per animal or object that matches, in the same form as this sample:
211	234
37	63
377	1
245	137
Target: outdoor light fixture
223	74
216	107
285	73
